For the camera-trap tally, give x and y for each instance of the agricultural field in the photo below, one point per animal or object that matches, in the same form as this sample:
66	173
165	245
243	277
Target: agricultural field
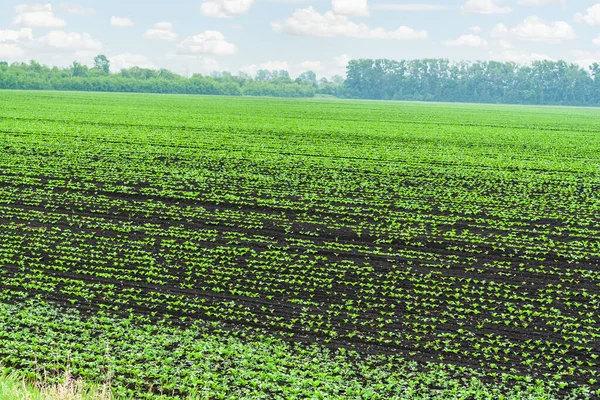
259	248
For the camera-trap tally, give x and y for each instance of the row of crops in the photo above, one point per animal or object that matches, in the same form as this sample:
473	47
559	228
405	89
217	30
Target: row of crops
380	239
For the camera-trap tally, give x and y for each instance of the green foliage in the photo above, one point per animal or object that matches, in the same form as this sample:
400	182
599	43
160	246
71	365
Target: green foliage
79	77
102	63
238	244
542	82
157	361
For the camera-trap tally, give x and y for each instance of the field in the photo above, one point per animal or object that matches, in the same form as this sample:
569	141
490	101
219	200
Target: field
262	248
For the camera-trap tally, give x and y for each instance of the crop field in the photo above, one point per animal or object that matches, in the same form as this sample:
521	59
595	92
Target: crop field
263	248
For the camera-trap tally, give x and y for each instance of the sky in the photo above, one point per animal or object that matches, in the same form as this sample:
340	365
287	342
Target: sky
200	36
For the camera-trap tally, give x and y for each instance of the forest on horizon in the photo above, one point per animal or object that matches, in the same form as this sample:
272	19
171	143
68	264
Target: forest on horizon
540	83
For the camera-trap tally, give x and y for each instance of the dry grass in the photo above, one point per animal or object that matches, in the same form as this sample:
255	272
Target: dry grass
15	388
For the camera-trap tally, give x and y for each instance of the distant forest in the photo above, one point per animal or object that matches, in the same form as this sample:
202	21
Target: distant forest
542	82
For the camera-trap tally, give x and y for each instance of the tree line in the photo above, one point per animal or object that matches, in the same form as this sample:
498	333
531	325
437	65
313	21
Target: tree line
541	82
79	77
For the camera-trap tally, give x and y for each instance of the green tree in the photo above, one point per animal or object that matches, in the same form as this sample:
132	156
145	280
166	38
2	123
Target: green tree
264	75
102	63
78	69
308	77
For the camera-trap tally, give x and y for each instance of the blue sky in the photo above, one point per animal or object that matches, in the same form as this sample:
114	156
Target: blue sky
190	36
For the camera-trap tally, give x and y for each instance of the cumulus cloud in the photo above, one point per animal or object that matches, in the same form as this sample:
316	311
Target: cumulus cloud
13	36
596	40
10	51
504	44
586	58
192	63
225	8
309	22
121	22
500	31
128	60
37	16
357	8
339	65
536	29
467	41
485	7
540	2
208	42
311	65
591	16
342	61
161	31
11	40
77	9
70	42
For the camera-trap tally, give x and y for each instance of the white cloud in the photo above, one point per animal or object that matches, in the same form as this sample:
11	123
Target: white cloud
208	42
485	7
476	29
339	65
75	42
536	29
591	15
328	68
335	66
77	9
13	50
225	8
467	41
311	65
585	58
10	51
357	8
37	16
192	63
410	7
309	22
500	31
13	36
275	65
161	31
342	61
121	22
596	40
504	44
268	65
540	2
128	60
